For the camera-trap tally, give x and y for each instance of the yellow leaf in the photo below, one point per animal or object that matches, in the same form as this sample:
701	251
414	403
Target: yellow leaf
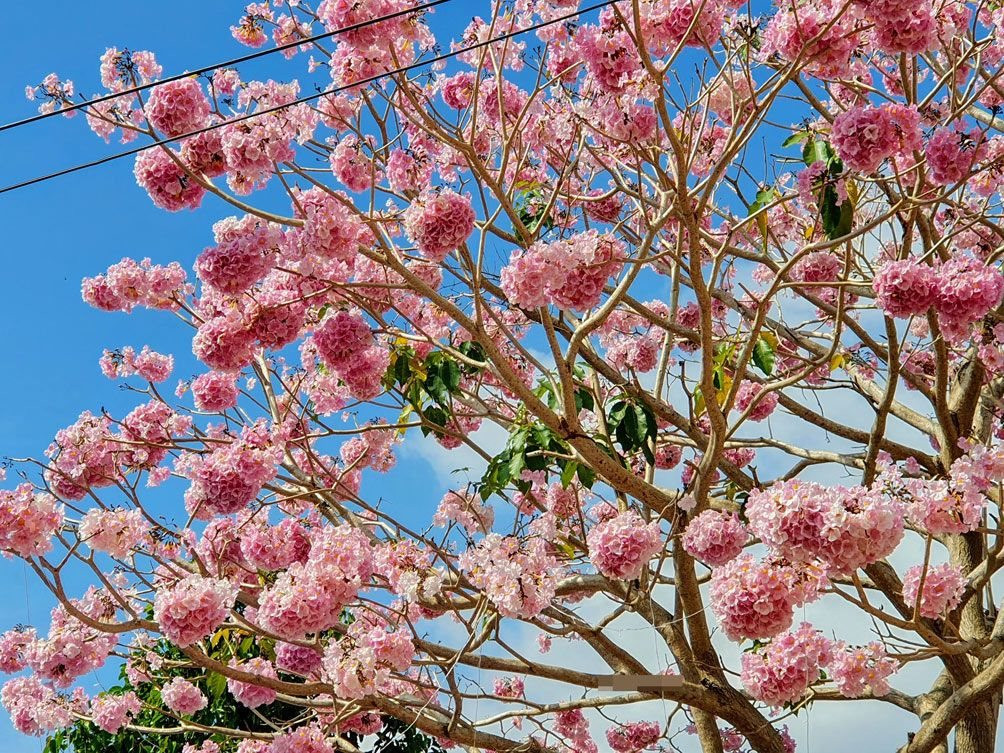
408	409
837	362
770	337
724	391
699	405
852	191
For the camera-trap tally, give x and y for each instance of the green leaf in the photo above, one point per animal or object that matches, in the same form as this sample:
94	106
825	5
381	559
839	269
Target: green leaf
449	372
587	476
216	684
764	356
816	151
402	369
796	138
838	219
568	473
434	415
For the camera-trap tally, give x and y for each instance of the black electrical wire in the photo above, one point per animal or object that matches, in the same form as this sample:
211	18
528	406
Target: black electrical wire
309	98
224	64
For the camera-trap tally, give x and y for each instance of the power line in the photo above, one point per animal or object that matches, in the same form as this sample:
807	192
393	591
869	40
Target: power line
309	98
224	64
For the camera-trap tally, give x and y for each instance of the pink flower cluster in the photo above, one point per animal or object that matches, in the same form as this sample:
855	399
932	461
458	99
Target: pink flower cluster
856	669
903	25
906	287
34	708
161	173
968	289
756	598
815	33
952	152
331	230
346	345
112	712
573	726
751	393
439	222
129	284
362	662
308	738
569	273
634	736
715	537
865	137
72	648
215	391
242	256
12	646
846	528
193	608
148	364
509	687
308	597
178	107
519	577
250	693
275	547
943	586
28	521
114	532
182	697
228	478
784	670
622	546
466	509
300	660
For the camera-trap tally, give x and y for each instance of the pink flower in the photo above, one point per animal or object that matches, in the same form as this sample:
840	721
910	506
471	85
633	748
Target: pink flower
33	707
854	670
967	290
308	597
251	694
361	663
952	152
519	577
193	608
224	343
215	391
573	726
942	589
763	404
114	532
784	670
865	137
439	222
569	273
752	599
112	712
243	254
182	697
300	660
905	288
168	185
178	107
634	736
12	646
715	537
341	337
28	521
622	546
304	739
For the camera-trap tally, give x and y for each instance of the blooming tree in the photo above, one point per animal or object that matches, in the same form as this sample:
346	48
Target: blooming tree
726	281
